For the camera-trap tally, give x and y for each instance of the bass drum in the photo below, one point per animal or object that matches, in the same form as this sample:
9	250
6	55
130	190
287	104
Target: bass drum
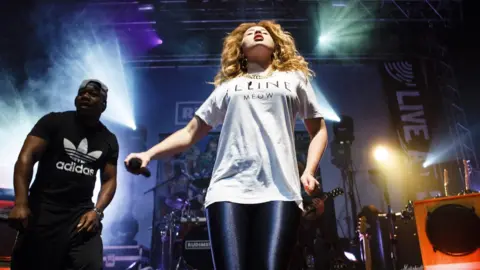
196	248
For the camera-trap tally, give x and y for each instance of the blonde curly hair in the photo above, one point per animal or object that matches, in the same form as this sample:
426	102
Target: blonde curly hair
285	55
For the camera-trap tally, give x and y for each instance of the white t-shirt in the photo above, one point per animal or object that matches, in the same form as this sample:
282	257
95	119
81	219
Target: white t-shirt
256	160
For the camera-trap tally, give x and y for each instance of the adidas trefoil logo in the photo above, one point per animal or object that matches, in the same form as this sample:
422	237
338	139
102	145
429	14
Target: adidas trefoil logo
78	155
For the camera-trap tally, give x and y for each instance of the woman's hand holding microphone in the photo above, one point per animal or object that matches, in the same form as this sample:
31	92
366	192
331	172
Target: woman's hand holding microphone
137	163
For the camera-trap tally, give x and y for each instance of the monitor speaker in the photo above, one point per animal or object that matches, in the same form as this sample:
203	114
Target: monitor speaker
449	232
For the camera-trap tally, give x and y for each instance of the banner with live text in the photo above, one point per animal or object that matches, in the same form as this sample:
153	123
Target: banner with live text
405	87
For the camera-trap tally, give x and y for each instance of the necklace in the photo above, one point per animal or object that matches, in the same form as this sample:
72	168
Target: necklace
258	77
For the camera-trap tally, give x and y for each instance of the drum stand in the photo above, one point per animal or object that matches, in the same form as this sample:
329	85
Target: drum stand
169	235
180	258
168	240
181	262
172	220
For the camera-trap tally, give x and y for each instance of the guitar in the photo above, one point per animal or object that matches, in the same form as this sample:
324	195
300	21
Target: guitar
467	168
316	209
364	237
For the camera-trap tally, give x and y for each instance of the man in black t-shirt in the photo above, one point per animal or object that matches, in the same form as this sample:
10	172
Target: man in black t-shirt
59	226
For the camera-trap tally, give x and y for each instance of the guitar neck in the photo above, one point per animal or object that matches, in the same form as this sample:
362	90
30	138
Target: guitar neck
325	195
365	239
368	254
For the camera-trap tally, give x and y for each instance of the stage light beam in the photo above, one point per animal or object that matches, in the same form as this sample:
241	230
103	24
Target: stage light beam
326	108
75	54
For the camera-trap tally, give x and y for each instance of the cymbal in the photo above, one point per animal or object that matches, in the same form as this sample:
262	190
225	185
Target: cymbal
175	202
201	182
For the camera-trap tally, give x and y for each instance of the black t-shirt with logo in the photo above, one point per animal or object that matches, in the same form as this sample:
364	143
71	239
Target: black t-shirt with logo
67	171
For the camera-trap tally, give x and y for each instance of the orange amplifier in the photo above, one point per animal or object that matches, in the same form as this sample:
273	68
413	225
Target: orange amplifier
7	234
4	265
449	232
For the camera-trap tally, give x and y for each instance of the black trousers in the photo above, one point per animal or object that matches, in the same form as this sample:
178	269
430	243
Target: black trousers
252	236
51	242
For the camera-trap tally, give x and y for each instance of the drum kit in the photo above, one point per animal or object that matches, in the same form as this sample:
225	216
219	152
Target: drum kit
184	236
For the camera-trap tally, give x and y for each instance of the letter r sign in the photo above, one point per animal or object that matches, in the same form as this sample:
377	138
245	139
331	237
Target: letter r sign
185	110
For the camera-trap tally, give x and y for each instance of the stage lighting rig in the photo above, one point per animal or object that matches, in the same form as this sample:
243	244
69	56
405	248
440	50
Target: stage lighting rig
343	138
343	130
341	157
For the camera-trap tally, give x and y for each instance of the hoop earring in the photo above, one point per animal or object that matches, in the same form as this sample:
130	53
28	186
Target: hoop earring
243	63
275	56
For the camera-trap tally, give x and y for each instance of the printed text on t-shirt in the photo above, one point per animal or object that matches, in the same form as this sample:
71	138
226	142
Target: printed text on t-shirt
251	89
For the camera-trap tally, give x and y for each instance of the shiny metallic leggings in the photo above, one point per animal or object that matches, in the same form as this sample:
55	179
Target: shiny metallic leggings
252	236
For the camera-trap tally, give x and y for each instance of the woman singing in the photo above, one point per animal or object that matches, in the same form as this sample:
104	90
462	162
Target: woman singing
254	199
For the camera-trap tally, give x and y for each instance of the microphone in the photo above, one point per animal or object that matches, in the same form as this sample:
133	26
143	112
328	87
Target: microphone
136	164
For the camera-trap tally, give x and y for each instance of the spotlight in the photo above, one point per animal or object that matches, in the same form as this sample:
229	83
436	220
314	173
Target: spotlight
145	7
350	256
324	39
381	153
339	4
343	130
341	144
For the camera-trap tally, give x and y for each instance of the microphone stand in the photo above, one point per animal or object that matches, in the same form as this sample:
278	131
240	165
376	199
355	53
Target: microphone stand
161	184
167	260
390	221
348	181
168	233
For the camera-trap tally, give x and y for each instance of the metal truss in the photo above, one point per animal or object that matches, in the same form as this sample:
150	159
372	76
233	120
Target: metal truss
382	11
199	27
199	49
460	134
213	60
397	11
210	13
189	26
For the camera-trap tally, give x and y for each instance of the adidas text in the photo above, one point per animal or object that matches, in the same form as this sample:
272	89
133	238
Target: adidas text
74	167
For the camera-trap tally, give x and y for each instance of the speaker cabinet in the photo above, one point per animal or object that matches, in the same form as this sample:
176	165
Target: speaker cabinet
449	232
407	244
7	240
7	234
